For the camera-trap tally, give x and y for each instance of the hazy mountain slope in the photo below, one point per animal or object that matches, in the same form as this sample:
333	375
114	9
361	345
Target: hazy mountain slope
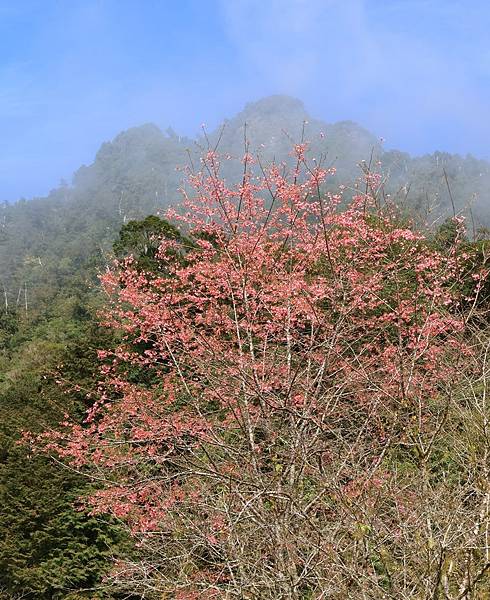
46	240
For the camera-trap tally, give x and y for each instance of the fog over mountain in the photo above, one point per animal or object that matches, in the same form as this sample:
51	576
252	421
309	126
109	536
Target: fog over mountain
44	239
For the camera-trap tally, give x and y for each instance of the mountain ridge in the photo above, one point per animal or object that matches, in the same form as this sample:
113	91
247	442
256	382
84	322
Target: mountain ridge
43	240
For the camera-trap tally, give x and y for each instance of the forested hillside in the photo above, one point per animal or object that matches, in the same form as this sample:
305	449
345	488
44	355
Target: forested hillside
52	252
44	241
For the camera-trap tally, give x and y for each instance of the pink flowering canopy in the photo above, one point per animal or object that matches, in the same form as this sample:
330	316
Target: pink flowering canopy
266	374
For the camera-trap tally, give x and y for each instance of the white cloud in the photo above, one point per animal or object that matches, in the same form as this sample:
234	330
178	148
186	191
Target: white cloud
389	65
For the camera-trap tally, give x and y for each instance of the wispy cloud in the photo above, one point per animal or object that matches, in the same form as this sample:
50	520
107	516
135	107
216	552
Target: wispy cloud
407	68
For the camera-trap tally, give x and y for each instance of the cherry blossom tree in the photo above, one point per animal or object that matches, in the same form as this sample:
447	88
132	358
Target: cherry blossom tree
297	408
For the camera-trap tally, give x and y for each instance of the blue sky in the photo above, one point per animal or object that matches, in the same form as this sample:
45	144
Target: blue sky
74	73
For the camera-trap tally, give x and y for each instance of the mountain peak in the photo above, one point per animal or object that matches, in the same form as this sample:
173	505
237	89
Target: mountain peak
276	105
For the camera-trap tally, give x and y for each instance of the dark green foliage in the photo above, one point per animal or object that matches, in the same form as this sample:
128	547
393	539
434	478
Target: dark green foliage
49	549
141	240
446	234
8	328
477	261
